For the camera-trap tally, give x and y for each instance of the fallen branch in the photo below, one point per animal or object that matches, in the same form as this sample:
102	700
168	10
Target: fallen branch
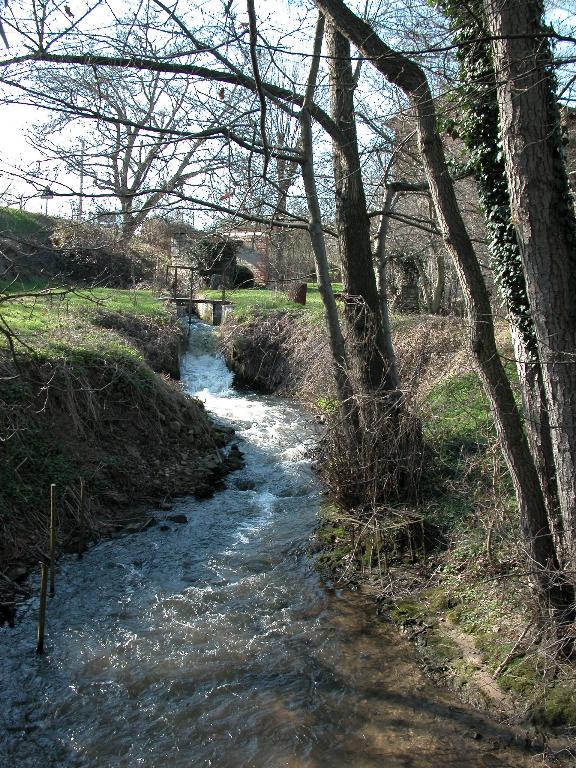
513	653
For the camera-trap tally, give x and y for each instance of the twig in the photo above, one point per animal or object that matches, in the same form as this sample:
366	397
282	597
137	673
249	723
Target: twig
512	654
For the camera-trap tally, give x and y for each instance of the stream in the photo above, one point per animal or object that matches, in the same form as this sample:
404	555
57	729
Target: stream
218	643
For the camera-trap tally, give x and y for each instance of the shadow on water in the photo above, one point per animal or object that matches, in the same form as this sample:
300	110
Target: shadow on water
216	643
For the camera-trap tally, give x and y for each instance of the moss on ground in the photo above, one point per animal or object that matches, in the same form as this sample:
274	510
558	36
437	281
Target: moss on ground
550	700
407	611
555	707
333	537
492	619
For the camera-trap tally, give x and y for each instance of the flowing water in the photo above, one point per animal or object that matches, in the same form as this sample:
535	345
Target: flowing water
217	643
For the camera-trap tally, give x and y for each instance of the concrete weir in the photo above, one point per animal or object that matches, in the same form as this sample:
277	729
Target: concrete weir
212	311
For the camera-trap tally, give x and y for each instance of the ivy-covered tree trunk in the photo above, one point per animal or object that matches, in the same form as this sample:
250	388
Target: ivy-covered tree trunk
362	303
543	217
478	127
409	76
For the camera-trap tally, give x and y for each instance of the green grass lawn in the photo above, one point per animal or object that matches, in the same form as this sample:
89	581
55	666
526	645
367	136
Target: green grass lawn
468	467
253	301
458	411
24	224
60	322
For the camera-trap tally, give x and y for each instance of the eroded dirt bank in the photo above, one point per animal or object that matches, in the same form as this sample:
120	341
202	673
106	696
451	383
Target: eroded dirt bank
109	417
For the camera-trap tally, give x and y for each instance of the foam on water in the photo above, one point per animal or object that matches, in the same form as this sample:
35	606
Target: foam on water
216	643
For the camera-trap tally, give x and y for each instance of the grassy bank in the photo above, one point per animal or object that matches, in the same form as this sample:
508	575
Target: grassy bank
34	247
70	323
86	397
449	570
252	302
23	224
477	629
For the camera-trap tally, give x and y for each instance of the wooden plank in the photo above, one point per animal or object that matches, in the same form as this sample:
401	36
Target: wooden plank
185	300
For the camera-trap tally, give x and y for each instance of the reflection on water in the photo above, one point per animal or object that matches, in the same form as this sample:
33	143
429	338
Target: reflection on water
216	643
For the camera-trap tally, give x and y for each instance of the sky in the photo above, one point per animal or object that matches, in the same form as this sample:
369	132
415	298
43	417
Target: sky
17	153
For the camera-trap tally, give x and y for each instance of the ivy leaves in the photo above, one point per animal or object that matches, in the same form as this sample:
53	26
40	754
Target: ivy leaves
477	125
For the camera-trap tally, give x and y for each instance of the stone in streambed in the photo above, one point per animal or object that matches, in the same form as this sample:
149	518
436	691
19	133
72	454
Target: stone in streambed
18	572
210	462
204	491
177	518
234	460
138	527
245	485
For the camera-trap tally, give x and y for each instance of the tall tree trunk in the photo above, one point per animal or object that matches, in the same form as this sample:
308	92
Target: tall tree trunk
336	339
362	306
286	172
411	79
543	216
439	284
337	346
432	288
479	128
278	234
381	262
538	433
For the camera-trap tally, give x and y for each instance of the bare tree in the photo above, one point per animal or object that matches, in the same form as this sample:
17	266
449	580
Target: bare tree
129	149
409	76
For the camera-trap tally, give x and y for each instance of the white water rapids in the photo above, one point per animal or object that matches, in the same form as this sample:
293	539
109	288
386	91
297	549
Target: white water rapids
217	643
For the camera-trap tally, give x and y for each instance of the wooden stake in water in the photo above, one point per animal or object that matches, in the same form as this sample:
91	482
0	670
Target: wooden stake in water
81	521
52	543
190	297
42	611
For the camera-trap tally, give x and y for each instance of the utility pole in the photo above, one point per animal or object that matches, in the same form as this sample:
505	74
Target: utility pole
80	202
